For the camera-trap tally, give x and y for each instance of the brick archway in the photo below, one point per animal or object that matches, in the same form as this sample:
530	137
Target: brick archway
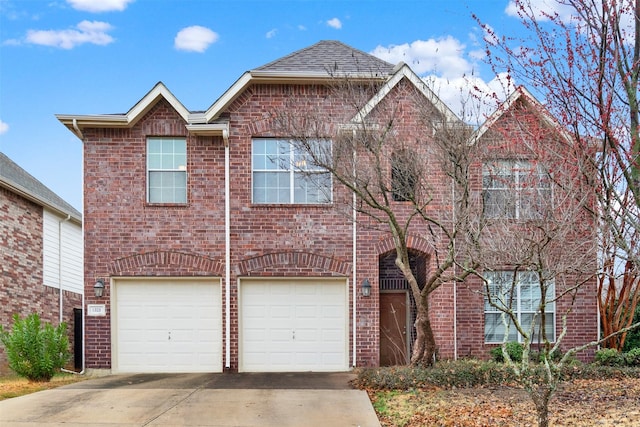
299	261
191	264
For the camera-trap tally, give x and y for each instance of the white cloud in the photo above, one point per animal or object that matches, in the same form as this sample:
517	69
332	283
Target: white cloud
444	66
471	98
99	5
334	23
195	39
4	128
443	56
272	33
93	32
302	27
541	9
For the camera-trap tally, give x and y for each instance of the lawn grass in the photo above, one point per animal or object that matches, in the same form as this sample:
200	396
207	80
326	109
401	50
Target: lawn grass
12	385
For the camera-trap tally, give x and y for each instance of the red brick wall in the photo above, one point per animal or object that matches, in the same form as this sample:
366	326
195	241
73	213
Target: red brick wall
21	288
125	236
569	253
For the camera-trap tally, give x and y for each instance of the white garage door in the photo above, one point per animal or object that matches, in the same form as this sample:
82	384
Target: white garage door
293	325
167	325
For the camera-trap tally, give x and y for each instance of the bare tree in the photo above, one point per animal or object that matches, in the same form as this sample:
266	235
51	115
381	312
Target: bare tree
583	58
538	250
399	152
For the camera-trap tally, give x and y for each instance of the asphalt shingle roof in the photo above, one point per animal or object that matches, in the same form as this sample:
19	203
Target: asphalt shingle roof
15	177
329	56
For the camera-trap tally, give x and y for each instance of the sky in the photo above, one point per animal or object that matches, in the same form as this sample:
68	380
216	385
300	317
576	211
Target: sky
102	56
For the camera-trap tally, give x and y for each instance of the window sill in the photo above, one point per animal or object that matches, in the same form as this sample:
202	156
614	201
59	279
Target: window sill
166	205
292	205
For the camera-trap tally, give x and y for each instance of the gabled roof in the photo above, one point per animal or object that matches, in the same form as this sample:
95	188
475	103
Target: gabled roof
76	123
522	94
317	63
19	181
404	71
328	58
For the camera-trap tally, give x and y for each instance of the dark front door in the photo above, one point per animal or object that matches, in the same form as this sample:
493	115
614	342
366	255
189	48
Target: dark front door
393	328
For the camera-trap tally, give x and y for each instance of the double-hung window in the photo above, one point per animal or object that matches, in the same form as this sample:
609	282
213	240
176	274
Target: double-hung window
166	170
521	295
284	173
515	189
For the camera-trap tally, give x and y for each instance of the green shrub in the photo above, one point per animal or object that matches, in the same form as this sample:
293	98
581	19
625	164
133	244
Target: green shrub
632	357
474	373
445	374
609	357
514	350
35	350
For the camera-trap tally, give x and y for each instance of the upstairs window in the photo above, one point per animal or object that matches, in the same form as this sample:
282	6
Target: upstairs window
283	173
515	189
521	294
166	170
404	176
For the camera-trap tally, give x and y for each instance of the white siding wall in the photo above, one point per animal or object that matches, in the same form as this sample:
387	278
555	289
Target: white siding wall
71	248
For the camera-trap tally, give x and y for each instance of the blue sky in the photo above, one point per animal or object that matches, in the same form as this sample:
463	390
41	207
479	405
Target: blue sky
102	56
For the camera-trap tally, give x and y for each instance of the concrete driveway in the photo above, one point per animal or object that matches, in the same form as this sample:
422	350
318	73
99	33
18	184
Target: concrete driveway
283	399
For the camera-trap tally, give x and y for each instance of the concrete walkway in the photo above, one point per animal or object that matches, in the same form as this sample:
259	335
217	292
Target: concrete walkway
300	399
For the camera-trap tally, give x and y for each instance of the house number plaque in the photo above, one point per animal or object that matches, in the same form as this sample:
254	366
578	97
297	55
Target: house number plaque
96	310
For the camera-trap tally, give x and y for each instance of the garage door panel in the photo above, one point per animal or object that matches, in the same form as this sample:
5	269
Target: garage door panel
168	326
289	325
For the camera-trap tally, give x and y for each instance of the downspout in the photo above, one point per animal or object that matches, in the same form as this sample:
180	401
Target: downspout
60	265
227	249
455	282
77	130
81	136
355	261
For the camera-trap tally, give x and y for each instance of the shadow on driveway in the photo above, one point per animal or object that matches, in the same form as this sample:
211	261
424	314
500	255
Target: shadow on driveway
255	381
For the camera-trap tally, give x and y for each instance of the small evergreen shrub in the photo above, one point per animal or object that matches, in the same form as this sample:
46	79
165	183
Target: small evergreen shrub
609	357
632	357
35	350
514	350
470	373
445	374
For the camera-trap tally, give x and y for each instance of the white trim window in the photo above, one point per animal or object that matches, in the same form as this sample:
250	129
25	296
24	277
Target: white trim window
515	190
284	174
520	294
167	170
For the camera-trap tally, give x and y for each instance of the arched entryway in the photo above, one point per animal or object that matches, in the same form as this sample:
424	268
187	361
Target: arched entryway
398	308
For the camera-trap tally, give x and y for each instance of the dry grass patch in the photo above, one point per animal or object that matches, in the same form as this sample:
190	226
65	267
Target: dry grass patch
611	402
14	386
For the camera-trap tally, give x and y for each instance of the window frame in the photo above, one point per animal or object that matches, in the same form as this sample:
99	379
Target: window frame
516	172
297	166
520	311
404	176
175	169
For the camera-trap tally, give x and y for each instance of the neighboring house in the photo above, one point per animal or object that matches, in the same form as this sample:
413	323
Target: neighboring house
215	257
41	253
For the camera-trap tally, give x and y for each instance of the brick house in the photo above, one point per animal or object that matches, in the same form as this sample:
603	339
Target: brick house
215	256
41	252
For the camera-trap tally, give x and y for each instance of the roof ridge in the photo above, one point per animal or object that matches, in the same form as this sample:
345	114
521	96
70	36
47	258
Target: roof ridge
325	57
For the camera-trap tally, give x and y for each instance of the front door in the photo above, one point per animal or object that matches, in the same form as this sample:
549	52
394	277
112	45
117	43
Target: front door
394	319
